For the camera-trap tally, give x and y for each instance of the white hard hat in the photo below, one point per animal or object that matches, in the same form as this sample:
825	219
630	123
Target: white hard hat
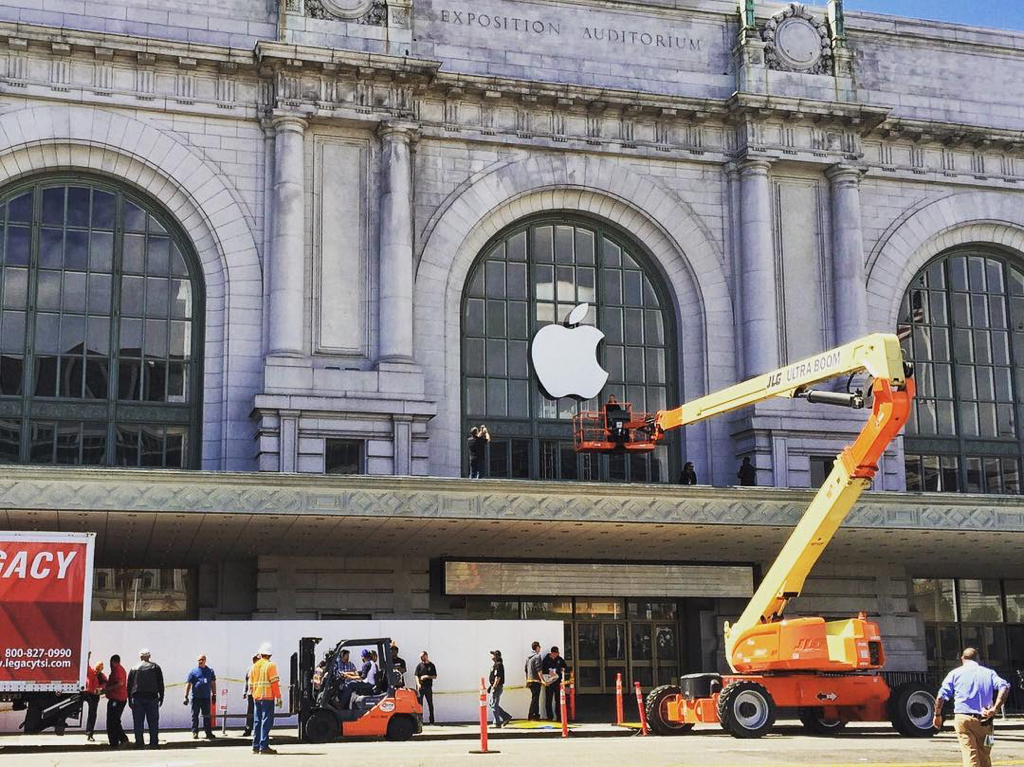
265	649
144	652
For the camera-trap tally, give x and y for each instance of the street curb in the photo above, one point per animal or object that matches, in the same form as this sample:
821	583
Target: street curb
291	740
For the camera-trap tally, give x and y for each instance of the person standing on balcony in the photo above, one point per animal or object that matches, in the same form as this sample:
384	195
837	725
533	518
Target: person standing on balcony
478	439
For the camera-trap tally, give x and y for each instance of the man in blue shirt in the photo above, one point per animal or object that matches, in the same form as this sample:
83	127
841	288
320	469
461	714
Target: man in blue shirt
202	682
344	667
978	693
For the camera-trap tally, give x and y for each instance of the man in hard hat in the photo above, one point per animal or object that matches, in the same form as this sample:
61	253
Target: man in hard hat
265	688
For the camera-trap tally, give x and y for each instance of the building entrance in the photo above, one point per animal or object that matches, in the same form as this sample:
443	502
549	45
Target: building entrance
638	638
642	651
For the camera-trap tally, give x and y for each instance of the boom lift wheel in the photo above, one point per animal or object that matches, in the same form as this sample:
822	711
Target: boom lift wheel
656	708
912	709
401	727
746	709
322	726
816	723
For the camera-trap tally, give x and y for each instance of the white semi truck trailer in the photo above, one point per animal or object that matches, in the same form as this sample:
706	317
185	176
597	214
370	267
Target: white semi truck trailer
45	605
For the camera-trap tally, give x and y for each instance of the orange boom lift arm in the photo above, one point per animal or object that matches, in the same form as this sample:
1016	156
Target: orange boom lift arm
797	662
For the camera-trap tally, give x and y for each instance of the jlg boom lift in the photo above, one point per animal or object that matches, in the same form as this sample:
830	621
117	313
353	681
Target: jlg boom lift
828	671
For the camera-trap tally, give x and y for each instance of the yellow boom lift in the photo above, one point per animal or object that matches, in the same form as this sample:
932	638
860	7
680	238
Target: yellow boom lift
828	671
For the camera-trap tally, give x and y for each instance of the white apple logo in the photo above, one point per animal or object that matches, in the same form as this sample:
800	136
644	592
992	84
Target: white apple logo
565	357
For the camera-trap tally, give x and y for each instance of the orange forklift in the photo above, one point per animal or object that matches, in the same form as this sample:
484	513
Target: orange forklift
827	671
330	707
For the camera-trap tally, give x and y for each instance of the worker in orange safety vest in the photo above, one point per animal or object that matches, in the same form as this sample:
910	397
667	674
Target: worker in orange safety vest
265	688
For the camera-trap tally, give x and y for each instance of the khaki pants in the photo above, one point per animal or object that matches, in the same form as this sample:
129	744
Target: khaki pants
971	734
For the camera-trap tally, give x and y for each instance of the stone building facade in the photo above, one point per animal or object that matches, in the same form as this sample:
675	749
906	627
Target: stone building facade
336	172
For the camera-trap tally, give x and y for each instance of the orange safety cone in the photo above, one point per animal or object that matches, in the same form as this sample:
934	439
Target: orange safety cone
562	711
620	716
640	706
483	721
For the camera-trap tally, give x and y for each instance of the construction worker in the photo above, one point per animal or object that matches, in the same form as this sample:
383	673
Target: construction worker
247	694
426	673
145	696
552	668
265	688
978	693
534	681
495	685
202	682
96	680
398	663
117	699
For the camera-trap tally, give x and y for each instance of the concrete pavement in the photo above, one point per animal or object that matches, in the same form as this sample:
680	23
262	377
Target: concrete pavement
448	745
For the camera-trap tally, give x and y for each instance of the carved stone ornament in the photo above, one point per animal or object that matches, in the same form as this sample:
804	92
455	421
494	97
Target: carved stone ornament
795	41
372	12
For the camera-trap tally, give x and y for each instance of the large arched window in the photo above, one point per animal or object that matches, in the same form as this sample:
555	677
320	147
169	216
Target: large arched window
100	328
533	274
962	324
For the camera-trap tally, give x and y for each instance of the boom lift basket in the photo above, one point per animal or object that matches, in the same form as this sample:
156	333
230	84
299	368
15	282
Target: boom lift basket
614	428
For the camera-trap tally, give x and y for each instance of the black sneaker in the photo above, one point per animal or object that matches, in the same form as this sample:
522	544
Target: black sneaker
195	736
268	751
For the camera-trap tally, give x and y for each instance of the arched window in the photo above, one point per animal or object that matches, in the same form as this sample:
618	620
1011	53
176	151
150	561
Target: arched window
100	328
962	324
531	275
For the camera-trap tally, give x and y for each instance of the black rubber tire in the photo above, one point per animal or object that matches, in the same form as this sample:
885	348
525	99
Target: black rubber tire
401	727
911	708
746	709
814	724
655	713
322	727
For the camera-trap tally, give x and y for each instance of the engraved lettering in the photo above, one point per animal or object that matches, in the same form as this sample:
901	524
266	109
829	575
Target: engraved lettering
539	27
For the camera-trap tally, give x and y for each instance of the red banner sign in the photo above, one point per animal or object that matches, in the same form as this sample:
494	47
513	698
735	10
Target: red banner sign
42	593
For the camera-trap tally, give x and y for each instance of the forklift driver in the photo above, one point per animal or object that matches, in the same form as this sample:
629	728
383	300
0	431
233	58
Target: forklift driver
362	682
346	668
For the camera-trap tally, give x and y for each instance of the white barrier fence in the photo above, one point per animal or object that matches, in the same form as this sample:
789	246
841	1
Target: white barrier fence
459	649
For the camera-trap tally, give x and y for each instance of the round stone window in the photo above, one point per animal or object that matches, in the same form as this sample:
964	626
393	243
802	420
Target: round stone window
798	43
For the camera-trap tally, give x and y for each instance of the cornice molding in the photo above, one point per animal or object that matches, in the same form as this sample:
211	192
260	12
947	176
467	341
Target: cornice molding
112	490
362	89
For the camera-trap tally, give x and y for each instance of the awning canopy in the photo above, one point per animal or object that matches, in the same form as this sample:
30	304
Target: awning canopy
166	518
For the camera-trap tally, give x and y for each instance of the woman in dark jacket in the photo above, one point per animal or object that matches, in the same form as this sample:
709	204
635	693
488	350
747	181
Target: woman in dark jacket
496	682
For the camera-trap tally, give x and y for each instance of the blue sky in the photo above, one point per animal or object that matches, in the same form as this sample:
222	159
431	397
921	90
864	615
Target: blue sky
1003	14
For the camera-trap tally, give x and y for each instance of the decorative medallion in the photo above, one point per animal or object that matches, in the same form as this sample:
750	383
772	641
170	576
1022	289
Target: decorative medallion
372	12
795	41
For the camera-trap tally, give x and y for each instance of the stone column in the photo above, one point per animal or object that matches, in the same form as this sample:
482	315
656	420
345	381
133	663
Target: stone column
286	267
759	305
848	282
396	243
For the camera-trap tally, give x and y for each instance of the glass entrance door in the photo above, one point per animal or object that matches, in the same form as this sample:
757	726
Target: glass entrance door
642	651
614	647
588	657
